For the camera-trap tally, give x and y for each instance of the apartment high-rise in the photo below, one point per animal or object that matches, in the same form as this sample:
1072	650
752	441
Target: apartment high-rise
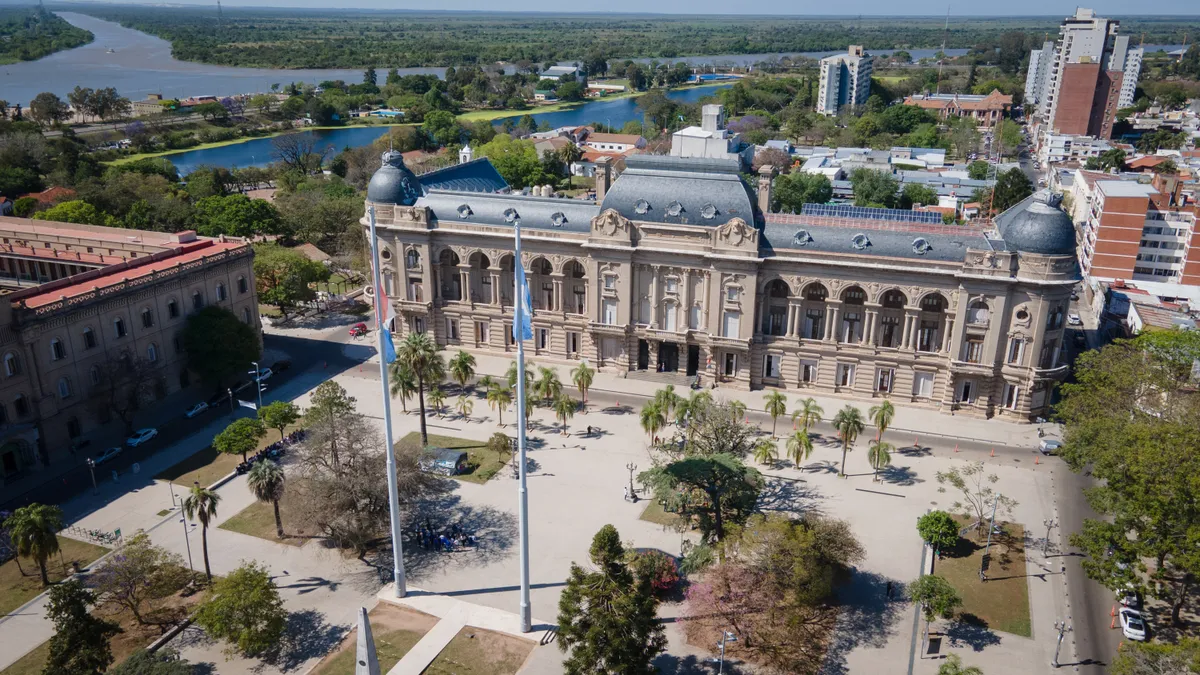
845	80
1092	72
1040	61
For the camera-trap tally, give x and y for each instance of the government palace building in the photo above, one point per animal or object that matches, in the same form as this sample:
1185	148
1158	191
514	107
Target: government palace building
679	266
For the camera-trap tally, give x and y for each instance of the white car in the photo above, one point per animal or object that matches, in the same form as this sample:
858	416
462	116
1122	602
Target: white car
1050	446
106	455
1074	320
265	374
196	410
141	436
1132	624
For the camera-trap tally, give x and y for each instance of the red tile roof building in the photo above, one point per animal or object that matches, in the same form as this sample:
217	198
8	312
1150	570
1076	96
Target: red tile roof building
987	111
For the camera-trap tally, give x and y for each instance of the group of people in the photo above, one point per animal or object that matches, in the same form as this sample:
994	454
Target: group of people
273	451
450	540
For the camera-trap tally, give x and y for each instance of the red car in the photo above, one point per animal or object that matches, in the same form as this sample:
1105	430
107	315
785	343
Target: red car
358	330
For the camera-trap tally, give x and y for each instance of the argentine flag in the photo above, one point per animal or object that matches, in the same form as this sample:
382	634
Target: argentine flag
386	314
526	327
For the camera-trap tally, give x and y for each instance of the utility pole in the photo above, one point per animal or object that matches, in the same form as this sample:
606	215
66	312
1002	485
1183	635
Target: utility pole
1062	628
220	18
1049	523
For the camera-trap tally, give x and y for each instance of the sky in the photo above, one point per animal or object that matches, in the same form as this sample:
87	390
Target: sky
1059	8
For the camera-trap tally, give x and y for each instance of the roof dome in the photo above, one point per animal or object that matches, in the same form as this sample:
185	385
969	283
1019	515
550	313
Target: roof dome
1038	225
394	183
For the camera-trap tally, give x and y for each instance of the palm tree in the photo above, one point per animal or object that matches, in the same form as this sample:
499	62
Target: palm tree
511	375
776	405
849	423
582	375
799	447
765	451
266	482
652	419
201	504
529	404
667	400
499	398
34	530
564	409
881	416
548	386
953	665
737	409
879	454
402	381
437	398
808	414
464	405
568	155
485	383
462	368
418	352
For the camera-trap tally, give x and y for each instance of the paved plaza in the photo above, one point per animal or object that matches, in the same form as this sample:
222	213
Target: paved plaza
575	487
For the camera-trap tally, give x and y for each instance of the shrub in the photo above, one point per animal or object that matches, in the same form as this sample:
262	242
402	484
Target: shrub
24	207
659	568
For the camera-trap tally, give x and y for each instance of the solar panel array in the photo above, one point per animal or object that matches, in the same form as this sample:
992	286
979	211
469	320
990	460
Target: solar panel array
866	213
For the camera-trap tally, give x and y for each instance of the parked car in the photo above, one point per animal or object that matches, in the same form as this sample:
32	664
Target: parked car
196	410
264	374
1074	320
443	461
141	436
107	455
281	366
1130	598
358	330
1049	446
1132	624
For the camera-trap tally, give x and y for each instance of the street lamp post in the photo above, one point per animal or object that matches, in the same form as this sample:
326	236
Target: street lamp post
726	636
232	405
257	373
1062	628
91	463
188	541
1049	523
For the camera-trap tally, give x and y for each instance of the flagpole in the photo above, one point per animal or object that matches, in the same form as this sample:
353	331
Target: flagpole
393	489
522	492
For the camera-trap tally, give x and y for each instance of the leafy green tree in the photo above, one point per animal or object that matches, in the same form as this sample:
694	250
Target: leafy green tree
464	406
236	216
34	533
608	616
218	344
793	190
46	108
18	180
462	368
564	409
201	504
1150	658
279	415
212	111
240	437
499	444
1011	187
499	398
582	377
81	641
936	597
977	170
161	662
286	277
437	399
266	482
849	424
916	193
667	400
953	666
799	447
730	489
548	385
808	414
137	573
244	609
874	188
516	160
939	529
418	353
443	127
403	382
776	405
74	211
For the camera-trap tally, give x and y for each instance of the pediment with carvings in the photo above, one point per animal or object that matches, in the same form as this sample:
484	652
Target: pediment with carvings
611	224
736	233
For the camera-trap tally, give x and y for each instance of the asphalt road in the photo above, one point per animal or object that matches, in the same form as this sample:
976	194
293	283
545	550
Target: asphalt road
1091	603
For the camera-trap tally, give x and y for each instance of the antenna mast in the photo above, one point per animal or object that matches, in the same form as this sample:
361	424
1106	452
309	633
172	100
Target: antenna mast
942	60
220	17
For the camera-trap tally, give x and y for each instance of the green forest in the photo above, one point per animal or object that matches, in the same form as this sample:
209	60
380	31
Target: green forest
296	38
28	34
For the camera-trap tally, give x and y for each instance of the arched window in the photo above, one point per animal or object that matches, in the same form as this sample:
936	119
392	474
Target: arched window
94	373
197	300
12	366
119	327
246	315
147	317
64	388
152	353
220	292
57	351
89	338
241	285
413	259
21	406
172	308
73	429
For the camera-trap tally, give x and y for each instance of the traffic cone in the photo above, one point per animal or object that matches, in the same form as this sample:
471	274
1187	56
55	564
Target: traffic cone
956	447
993	452
1035	460
747	420
916	442
1113	623
1114	611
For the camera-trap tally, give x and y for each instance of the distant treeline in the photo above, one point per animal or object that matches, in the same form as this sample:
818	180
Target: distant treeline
27	34
296	38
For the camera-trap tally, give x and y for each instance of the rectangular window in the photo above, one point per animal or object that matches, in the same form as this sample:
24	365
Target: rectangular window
732	324
610	282
543	338
730	365
845	375
609	315
1016	351
850	331
966	392
572	344
119	327
922	385
814	324
414	289
694	317
771	365
451	329
672	286
883	380
927	336
418	324
481	332
974	350
808	371
89	339
1012	396
508	335
890	332
731	294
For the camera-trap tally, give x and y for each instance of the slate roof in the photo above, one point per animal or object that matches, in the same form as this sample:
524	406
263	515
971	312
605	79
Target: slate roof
1037	225
808	234
542	213
680	190
477	175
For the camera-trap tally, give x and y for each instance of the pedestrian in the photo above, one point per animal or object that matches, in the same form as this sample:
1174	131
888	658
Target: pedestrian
626	490
889	590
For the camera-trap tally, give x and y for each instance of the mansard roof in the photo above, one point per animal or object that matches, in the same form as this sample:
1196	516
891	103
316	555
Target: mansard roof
678	190
542	213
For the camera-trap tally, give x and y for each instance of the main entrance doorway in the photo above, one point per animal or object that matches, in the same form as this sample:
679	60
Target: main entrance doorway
693	362
668	357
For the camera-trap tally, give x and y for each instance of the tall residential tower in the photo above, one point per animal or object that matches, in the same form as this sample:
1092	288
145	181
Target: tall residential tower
845	80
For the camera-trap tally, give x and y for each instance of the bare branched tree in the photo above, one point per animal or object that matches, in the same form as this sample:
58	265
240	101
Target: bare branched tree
298	152
123	386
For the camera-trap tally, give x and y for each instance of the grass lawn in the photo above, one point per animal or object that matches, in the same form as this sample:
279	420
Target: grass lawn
654	513
30	664
17	589
482	463
475	650
269	311
258	520
1001	603
208	466
395	630
890	79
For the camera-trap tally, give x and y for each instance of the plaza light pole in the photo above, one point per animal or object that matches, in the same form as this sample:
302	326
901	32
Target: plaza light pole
1049	523
188	541
92	470
726	636
257	381
401	587
1062	628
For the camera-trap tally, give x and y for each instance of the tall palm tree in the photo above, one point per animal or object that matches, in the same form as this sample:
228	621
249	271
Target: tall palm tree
402	381
882	416
689	408
776	405
737	409
464	405
879	454
201	504
564	409
568	155
511	375
499	398
799	447
548	386
266	482
849	423
667	400
530	402
462	368
652	419
765	451
437	398
485	383
418	351
34	530
808	414
582	375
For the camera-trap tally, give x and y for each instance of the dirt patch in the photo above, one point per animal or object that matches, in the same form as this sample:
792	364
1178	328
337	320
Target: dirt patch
395	630
475	651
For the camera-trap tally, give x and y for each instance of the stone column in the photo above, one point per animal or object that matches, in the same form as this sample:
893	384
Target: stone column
654	297
557	279
833	317
905	332
464	274
916	330
707	301
869	323
947	331
687	301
